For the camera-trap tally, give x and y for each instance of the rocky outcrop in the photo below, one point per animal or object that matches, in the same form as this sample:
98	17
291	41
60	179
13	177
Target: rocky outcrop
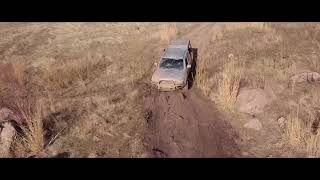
253	101
254	124
305	77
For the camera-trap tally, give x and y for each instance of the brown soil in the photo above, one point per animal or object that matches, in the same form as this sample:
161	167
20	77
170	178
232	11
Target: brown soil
187	125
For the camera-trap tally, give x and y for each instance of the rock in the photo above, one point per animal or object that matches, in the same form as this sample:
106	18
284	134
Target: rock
7	132
306	77
253	101
92	155
7	115
254	124
245	154
269	156
51	151
281	121
63	155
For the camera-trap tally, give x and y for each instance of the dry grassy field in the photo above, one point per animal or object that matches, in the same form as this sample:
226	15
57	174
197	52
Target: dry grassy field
77	89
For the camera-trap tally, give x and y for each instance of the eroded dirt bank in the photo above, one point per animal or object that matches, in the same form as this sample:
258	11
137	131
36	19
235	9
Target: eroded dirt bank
187	125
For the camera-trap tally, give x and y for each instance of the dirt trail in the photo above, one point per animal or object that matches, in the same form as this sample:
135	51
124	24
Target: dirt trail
187	124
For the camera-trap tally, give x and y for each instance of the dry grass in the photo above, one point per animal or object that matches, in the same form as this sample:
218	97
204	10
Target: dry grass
261	26
19	70
74	72
62	75
168	32
300	136
12	74
313	145
31	139
202	75
229	85
14	95
302	133
296	130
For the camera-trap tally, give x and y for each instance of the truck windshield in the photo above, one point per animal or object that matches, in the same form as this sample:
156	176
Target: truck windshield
167	63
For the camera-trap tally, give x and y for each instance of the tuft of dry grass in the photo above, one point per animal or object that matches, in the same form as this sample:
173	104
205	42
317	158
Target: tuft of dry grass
300	134
202	75
31	139
229	84
66	74
313	145
296	131
168	32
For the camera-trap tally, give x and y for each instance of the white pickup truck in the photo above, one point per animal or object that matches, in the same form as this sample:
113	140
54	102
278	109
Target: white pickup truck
174	67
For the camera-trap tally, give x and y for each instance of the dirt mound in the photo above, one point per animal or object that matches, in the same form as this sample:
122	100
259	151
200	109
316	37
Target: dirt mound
187	125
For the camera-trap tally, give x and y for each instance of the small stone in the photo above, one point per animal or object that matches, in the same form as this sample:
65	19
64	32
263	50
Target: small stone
254	124
281	121
7	115
95	138
230	56
92	155
245	154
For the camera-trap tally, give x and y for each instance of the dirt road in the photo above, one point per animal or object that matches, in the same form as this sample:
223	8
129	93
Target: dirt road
187	124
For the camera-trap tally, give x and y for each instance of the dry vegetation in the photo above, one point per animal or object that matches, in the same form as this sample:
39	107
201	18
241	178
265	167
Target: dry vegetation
229	84
89	79
271	53
30	141
168	32
15	96
303	123
63	74
202	75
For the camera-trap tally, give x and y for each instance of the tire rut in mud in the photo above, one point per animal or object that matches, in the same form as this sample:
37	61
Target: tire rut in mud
186	125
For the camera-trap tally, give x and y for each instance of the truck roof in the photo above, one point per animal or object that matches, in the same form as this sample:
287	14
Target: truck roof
174	53
177	49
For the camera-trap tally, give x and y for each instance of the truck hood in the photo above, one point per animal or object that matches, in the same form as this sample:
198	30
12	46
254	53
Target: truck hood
168	74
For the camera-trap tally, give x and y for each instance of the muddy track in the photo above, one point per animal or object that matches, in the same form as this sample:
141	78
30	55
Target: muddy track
187	125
